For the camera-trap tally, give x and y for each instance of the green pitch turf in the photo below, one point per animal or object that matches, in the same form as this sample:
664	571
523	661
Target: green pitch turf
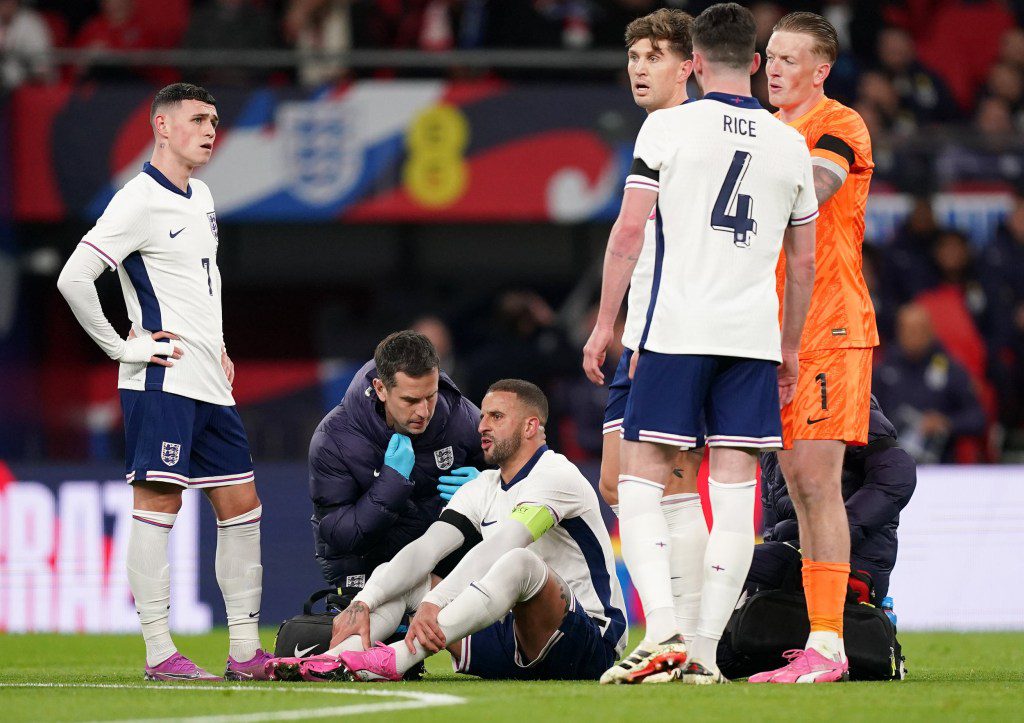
961	677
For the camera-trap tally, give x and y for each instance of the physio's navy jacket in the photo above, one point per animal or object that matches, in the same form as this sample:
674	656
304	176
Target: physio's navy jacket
878	480
364	512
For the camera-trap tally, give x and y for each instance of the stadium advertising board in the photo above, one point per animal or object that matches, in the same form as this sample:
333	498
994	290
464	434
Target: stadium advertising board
63	537
62	560
961	537
375	151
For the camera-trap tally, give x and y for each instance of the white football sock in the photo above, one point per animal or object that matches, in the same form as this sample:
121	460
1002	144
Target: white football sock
384	621
517	576
240	576
726	562
645	540
149	577
385	618
827	643
689	534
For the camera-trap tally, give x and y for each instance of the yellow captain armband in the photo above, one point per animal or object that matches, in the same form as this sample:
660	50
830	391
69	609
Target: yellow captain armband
537	519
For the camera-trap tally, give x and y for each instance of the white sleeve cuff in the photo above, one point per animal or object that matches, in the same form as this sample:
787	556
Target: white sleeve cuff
831	166
803	219
643	183
435	599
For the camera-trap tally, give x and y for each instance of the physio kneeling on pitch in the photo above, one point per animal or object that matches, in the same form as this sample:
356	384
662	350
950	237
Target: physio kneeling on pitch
504	611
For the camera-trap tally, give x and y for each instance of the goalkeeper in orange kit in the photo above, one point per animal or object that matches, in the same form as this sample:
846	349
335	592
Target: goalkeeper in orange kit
832	403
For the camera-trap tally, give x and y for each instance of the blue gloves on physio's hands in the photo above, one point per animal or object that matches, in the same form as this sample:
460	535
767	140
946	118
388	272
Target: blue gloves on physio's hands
448	484
399	455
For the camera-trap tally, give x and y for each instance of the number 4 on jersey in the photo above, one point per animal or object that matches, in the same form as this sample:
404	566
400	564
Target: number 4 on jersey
740	223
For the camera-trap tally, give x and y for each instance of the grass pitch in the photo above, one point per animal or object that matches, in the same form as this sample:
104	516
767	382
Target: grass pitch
962	677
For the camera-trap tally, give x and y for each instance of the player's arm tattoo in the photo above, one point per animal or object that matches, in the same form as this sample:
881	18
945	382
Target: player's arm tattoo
678	472
826	183
620	255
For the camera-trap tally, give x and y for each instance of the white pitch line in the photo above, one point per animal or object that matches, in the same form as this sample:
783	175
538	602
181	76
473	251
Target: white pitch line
415	700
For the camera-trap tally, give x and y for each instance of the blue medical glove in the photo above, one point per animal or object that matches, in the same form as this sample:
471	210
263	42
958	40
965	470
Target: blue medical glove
400	456
448	484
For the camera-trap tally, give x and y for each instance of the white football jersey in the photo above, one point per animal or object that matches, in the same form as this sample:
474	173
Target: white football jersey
163	244
640	289
577	547
640	284
730	178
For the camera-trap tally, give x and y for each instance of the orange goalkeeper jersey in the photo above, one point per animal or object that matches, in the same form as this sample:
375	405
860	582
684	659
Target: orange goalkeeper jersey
841	314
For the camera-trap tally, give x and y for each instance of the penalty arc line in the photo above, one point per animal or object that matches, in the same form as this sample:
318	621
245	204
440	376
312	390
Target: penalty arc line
413	701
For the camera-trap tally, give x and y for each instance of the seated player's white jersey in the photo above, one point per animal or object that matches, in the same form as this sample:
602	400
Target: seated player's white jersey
730	178
163	244
640	289
577	547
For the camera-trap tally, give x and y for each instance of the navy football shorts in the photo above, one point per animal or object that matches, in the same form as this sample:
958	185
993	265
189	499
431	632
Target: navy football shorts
618	394
673	394
577	651
173	439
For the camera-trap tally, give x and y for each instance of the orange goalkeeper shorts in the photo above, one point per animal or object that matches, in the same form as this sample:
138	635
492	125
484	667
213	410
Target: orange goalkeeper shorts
833	397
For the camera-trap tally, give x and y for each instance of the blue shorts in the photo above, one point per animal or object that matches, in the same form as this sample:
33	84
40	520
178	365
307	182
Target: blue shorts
673	394
177	440
577	651
618	394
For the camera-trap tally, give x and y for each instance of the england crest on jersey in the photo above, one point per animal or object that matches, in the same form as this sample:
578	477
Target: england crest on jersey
212	215
445	458
170	453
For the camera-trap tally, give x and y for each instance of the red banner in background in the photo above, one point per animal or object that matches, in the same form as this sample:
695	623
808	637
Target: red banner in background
382	151
37	195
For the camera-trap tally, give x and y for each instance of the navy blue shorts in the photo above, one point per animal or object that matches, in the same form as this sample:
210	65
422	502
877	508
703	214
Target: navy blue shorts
673	394
577	651
618	393
174	439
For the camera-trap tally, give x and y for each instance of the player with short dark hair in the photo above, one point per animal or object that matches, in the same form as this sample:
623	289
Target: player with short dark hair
727	35
545	557
182	430
831	405
659	53
384	461
528	393
668	26
711	347
173	95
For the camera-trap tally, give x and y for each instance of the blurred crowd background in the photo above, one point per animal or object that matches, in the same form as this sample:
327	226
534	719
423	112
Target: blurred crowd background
940	84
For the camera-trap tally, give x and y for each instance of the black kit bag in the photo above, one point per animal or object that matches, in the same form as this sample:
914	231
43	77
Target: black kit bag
310	633
774	621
